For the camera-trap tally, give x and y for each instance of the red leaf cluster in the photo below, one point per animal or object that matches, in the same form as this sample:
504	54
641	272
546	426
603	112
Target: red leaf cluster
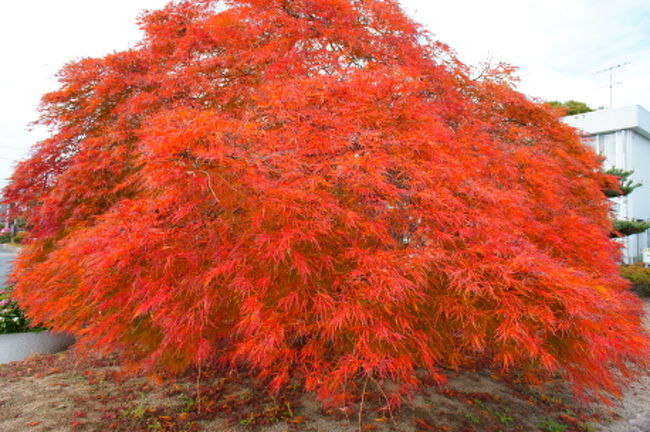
316	190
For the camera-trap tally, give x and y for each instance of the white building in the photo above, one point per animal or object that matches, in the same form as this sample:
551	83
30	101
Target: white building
622	136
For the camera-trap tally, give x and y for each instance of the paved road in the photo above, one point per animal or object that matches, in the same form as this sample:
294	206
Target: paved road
5	265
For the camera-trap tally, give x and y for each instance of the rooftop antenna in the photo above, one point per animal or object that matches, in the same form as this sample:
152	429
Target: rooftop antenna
611	83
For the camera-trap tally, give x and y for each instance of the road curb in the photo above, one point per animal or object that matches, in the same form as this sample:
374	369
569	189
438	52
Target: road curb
17	346
9	248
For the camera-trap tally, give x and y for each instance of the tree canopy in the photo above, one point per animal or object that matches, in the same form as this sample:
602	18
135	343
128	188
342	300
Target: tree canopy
316	190
571	107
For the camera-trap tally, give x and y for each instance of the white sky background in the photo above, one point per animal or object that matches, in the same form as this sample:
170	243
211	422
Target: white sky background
559	46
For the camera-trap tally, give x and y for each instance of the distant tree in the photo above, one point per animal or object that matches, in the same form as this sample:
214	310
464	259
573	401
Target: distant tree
316	192
571	107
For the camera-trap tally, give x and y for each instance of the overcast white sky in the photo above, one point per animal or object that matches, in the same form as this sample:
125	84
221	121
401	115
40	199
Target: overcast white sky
558	44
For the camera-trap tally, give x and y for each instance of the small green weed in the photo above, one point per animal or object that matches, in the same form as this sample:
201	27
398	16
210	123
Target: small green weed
188	403
551	426
472	418
503	418
155	426
246	421
137	413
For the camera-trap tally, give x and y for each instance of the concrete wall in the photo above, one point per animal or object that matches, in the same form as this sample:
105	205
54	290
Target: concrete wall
603	121
639	162
622	137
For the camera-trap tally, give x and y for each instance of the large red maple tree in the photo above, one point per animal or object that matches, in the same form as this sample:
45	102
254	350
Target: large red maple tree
317	190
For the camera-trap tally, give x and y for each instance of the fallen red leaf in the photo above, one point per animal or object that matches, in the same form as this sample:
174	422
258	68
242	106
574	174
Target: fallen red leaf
423	425
297	420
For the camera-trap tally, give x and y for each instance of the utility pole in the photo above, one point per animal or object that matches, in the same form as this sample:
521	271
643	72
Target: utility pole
611	82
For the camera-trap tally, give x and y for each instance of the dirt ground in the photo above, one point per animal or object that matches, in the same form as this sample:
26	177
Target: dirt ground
63	393
634	408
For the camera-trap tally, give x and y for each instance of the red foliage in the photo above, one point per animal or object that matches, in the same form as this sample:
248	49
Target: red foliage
315	190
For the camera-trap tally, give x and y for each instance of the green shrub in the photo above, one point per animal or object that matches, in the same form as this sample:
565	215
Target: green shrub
5	238
12	318
639	276
19	237
626	227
